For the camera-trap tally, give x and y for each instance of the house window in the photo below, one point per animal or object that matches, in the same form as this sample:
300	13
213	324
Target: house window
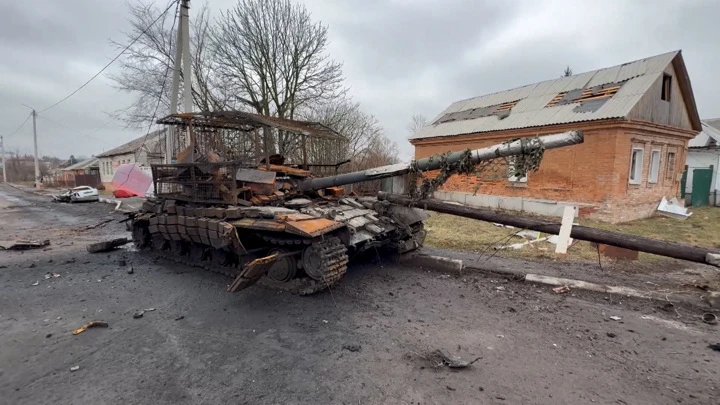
514	176
670	167
666	86
636	165
654	166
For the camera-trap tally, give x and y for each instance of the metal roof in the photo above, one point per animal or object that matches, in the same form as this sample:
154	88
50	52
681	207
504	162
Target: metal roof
134	145
710	136
531	109
243	121
82	165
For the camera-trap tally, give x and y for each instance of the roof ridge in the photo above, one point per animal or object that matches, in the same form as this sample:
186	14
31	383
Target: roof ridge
573	75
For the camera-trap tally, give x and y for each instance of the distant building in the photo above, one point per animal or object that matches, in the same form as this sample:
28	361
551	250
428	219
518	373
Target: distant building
700	180
85	173
637	119
145	150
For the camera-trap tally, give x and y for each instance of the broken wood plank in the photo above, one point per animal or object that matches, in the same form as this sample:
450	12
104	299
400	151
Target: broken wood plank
107	246
23	244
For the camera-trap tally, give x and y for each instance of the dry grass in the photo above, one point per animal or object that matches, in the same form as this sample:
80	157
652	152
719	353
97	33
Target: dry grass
457	233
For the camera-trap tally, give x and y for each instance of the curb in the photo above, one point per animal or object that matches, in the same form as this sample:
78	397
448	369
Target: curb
438	263
456	266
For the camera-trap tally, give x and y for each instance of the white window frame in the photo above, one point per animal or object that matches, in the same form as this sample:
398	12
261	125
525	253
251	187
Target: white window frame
654	169
636	178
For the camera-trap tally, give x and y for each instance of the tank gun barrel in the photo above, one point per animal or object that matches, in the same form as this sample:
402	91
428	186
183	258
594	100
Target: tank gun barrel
476	156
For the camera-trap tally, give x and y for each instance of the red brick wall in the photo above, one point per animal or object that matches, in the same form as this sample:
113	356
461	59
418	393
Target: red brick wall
594	172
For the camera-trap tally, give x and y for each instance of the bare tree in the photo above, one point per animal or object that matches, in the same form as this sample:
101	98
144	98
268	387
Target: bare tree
416	123
146	66
274	58
567	72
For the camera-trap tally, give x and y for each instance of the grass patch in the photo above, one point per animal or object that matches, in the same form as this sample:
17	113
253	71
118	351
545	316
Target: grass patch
469	235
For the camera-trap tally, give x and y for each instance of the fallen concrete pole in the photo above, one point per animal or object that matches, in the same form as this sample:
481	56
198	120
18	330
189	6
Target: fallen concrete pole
623	240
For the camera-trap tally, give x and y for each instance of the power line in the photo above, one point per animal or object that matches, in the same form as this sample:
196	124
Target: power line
21	125
116	57
157	106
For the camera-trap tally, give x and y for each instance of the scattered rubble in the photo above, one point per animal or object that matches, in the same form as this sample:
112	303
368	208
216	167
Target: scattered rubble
615	318
562	289
352	347
440	358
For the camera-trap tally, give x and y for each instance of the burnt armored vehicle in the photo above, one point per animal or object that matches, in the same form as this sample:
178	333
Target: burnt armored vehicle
230	207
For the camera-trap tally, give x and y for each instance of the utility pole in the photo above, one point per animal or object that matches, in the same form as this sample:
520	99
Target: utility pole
181	66
2	151
37	165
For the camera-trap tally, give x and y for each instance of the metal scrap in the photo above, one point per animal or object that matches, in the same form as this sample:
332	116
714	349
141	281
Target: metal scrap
93	324
442	359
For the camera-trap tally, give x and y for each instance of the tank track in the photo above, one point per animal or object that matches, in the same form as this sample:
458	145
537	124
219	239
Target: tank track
334	264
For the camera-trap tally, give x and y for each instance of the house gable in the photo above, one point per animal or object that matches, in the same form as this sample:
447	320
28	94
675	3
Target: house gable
676	108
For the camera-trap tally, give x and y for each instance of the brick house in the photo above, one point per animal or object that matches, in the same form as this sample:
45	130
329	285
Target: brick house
637	119
145	150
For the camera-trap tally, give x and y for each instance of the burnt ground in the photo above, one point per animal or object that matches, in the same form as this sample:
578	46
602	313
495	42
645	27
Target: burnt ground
367	341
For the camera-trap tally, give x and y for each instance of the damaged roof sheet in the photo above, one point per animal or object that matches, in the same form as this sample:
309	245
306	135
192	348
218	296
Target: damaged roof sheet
531	110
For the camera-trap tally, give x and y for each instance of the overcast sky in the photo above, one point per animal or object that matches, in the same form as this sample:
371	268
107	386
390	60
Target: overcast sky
401	57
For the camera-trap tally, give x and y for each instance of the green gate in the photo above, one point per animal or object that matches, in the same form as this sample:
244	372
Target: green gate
701	183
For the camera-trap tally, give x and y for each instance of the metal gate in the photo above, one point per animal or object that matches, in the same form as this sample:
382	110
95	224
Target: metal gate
701	183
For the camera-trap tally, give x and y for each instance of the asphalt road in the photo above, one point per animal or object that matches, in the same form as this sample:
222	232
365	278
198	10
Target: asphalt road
367	341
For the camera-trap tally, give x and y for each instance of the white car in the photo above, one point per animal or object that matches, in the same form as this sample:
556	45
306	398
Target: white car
84	193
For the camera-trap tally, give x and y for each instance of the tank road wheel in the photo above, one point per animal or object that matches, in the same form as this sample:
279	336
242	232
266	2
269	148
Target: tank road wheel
325	262
157	242
141	235
221	257
284	268
177	248
197	252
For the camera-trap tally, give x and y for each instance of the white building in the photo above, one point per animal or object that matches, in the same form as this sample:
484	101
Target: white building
704	156
145	150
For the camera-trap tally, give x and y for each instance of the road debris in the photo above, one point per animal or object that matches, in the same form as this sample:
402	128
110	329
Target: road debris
562	289
149	309
715	346
138	314
93	324
673	209
441	359
611	335
107	246
93	226
74	368
352	347
131	270
615	318
710	318
51	275
181	317
36	283
22	244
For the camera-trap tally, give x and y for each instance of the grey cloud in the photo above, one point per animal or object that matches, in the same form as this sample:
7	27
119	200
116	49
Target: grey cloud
400	57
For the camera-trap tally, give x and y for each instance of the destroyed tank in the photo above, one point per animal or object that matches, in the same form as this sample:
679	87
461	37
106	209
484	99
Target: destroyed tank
274	221
269	219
